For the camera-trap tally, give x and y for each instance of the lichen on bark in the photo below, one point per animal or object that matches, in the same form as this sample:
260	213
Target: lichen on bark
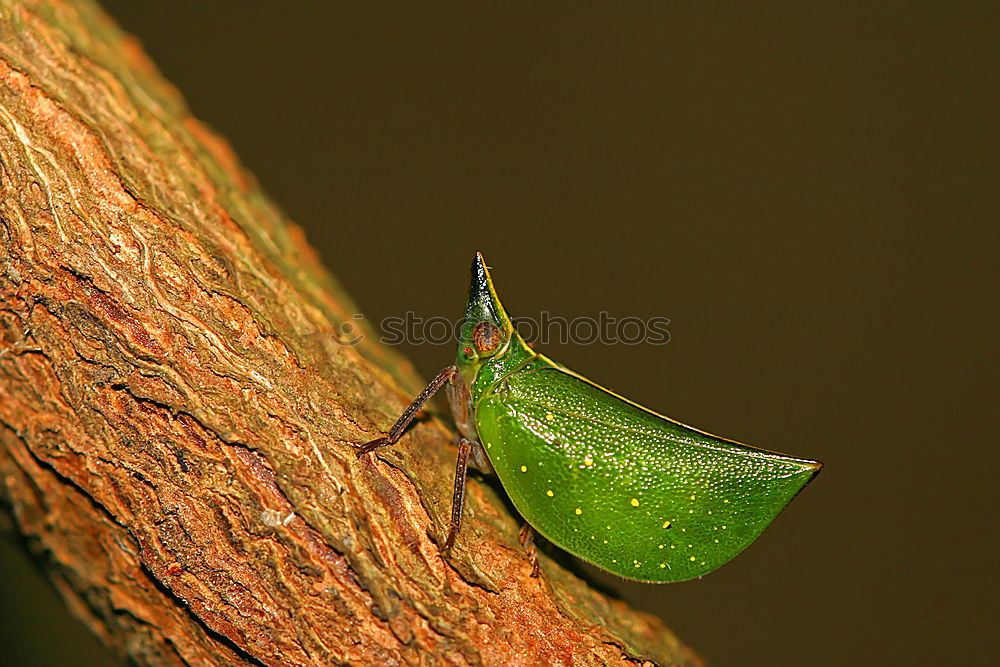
178	412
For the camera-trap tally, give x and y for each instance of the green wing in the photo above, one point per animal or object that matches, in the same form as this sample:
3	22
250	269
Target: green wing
622	487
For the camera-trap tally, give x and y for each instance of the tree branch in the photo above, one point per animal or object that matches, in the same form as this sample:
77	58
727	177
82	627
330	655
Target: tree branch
177	416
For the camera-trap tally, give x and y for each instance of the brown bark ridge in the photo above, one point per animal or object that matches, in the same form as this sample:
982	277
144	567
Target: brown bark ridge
178	413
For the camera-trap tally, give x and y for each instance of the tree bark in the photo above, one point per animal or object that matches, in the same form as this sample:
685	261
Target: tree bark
178	408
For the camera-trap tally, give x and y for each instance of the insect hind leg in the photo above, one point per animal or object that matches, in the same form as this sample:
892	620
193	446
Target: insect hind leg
527	539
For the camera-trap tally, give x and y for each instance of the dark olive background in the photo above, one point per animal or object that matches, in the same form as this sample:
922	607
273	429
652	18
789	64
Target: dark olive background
804	192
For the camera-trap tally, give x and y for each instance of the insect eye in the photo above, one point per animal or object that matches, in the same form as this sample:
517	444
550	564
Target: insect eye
486	337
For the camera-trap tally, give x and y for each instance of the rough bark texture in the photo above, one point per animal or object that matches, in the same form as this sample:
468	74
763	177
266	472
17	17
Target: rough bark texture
178	414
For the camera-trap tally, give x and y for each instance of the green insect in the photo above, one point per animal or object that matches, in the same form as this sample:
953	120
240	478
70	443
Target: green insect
631	491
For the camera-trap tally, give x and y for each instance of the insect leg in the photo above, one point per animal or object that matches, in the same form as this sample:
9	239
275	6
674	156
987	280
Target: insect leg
527	539
396	432
458	497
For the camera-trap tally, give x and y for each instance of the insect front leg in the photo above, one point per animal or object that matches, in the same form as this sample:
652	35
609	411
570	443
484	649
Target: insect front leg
396	432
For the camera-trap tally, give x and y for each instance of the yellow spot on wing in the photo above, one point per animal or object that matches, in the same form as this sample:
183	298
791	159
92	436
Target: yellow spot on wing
635	502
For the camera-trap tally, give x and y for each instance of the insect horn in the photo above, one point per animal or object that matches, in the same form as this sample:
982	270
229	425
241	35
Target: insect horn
483	304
